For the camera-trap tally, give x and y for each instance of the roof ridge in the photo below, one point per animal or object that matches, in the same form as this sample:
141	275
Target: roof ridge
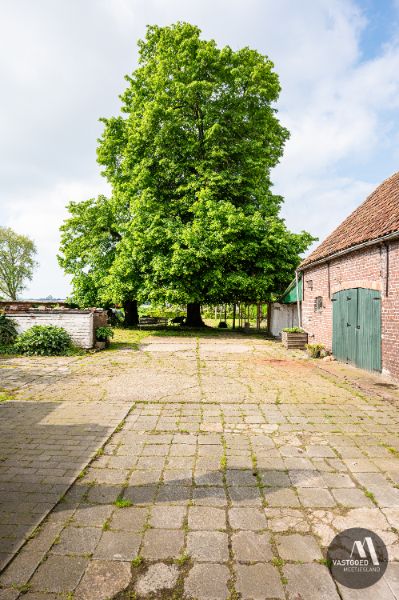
376	216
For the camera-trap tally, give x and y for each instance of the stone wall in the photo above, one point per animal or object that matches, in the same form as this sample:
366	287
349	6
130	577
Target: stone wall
80	324
377	268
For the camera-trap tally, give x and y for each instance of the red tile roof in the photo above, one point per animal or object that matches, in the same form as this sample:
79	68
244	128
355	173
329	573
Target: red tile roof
376	217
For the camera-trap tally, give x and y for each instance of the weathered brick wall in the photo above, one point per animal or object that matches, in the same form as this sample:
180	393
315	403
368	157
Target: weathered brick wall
100	319
390	315
364	268
79	324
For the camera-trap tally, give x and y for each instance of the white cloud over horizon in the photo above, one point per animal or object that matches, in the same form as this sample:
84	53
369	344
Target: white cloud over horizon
62	67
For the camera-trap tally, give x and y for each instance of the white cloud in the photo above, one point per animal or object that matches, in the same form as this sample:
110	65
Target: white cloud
62	66
39	215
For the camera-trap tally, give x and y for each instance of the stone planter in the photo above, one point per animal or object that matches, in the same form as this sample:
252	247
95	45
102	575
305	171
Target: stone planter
100	345
294	341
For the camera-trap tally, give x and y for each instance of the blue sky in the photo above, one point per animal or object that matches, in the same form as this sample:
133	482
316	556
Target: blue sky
62	66
382	22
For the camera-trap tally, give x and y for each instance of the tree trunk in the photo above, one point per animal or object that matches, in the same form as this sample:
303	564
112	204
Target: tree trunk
194	318
234	314
131	313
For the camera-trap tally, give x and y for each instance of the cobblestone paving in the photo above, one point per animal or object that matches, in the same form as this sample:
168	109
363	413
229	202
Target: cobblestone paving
235	466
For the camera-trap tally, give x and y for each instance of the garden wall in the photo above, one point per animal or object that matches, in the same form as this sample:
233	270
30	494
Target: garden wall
80	324
282	315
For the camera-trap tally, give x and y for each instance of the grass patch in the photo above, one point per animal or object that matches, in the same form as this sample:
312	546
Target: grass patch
223	463
123	503
127	338
5	396
120	426
371	496
82	473
278	562
182	560
24	588
393	451
136	562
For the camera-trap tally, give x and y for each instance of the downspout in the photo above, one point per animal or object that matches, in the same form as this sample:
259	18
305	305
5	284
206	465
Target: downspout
386	269
298	302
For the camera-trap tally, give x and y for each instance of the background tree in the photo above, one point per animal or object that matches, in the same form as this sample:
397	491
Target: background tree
89	246
16	262
191	155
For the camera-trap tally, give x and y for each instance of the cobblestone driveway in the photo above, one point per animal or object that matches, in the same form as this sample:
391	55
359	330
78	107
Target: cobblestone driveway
235	465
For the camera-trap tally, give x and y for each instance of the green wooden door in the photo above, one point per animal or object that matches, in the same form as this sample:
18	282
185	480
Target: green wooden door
357	327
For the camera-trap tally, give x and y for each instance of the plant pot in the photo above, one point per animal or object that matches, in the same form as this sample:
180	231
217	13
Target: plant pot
100	345
294	341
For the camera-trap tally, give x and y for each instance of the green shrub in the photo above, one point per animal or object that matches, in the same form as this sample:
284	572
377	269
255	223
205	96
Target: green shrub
315	350
44	340
8	331
104	333
293	330
9	349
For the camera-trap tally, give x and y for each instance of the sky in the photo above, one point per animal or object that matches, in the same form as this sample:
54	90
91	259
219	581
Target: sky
62	67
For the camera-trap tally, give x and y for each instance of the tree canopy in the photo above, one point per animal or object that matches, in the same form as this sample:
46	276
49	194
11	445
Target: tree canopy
189	162
16	262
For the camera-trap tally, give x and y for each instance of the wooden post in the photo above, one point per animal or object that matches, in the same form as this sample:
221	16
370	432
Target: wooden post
269	318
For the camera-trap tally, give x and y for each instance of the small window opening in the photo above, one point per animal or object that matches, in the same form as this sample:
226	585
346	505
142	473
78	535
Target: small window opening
318	303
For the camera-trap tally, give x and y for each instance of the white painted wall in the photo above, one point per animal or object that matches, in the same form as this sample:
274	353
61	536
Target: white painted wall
283	315
79	324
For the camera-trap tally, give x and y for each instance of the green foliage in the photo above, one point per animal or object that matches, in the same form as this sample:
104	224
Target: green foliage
8	350
123	502
160	310
104	333
192	156
5	395
315	350
43	340
88	244
191	218
8	331
293	330
137	561
16	262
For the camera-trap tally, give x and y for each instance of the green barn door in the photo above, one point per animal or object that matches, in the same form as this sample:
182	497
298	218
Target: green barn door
340	326
357	327
369	330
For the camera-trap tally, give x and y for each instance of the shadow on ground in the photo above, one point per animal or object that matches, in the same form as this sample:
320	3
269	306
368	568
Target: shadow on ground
42	450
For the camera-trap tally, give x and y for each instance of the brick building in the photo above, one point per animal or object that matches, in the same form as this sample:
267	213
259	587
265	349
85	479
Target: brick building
350	296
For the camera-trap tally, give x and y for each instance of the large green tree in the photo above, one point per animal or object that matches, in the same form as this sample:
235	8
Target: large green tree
192	152
17	262
192	217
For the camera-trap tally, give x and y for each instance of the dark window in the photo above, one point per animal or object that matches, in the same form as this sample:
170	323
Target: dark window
318	303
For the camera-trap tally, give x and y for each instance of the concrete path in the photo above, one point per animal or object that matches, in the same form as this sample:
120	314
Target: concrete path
228	468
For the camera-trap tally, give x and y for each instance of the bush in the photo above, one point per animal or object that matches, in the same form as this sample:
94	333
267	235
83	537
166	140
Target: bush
315	350
8	331
43	340
293	330
104	333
